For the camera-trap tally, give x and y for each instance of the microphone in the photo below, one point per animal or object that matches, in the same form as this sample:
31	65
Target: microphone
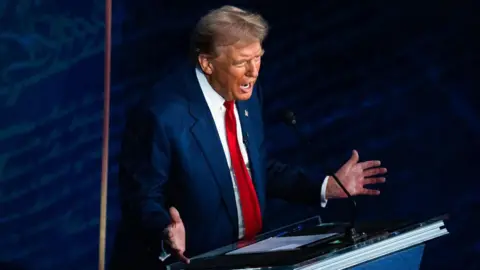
245	139
289	118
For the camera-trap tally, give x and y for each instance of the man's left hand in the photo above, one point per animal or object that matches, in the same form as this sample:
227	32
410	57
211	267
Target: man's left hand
354	176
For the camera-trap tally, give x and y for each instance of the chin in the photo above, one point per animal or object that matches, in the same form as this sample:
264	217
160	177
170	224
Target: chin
243	96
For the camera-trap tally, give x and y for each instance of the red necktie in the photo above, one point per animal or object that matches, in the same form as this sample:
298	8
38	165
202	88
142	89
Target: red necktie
248	197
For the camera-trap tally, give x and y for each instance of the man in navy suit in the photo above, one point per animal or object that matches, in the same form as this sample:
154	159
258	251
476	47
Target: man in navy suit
194	170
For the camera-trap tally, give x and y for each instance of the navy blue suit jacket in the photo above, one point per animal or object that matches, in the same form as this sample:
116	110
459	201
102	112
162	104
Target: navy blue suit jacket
172	156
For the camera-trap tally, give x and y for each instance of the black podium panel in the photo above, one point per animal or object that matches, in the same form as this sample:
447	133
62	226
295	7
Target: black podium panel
382	239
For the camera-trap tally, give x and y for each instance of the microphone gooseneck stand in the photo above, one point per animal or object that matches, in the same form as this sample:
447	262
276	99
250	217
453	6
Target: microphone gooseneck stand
351	233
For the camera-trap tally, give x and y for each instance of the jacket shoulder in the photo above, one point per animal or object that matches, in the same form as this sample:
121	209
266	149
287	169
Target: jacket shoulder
169	96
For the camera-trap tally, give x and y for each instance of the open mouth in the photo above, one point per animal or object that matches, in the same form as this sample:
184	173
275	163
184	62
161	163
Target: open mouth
246	86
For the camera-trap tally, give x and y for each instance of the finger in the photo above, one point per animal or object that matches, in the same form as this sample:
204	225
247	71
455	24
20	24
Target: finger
369	164
354	158
375	180
374	171
175	215
172	244
166	231
168	236
182	257
370	192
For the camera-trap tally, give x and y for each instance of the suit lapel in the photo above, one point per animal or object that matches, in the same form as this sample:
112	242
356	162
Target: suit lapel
206	134
251	144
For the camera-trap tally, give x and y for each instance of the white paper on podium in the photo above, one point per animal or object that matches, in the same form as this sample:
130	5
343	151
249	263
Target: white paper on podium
280	243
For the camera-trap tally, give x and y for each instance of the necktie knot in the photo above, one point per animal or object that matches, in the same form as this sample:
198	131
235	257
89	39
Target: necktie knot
229	105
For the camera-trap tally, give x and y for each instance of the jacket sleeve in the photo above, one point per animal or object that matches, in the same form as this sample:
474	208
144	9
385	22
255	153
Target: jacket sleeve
144	166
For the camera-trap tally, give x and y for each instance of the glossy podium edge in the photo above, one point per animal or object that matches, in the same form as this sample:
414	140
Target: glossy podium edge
354	255
365	251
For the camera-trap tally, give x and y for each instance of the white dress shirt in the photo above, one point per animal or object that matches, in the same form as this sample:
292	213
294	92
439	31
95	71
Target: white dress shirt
215	103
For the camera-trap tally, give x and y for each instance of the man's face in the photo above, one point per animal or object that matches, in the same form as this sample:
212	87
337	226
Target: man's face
235	70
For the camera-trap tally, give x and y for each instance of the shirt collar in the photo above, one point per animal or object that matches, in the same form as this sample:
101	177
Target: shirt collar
214	100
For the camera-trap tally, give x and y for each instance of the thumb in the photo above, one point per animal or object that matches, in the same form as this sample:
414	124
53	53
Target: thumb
354	158
175	215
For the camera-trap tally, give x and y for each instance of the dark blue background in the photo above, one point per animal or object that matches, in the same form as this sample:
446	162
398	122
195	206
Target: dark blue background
394	80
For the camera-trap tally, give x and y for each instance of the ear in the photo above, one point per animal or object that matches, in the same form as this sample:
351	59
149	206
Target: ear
205	64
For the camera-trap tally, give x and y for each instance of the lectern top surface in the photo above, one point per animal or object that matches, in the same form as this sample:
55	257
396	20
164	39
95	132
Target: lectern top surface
329	245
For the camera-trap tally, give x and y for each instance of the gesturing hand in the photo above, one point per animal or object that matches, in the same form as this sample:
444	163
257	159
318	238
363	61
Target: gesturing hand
175	234
354	176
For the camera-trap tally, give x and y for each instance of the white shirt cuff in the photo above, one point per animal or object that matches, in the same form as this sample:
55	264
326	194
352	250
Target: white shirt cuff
164	255
323	198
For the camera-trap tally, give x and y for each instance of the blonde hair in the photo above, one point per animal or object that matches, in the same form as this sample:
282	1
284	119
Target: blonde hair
226	26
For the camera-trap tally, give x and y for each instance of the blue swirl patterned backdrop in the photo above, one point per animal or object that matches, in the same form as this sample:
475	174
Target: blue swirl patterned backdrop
394	80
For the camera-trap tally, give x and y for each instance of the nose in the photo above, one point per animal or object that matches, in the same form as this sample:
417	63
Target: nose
252	70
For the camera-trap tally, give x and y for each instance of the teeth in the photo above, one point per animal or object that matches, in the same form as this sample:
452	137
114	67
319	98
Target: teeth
245	85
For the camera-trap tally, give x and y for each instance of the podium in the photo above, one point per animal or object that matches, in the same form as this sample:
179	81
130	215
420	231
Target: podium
310	244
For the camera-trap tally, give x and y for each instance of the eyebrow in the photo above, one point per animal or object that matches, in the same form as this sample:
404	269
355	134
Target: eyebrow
261	53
